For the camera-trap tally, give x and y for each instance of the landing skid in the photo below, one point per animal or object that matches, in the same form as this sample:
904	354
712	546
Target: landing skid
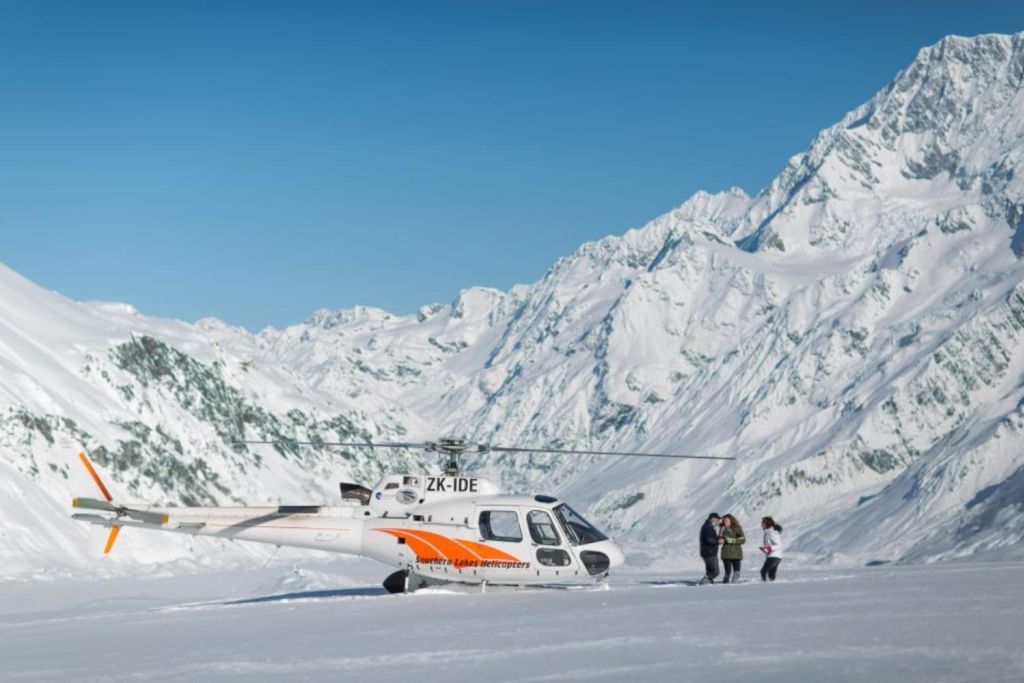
405	581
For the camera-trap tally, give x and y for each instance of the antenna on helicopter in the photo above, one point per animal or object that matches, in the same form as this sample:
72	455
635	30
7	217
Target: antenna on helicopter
454	447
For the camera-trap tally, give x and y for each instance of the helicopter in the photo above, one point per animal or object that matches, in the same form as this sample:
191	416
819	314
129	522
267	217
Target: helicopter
433	529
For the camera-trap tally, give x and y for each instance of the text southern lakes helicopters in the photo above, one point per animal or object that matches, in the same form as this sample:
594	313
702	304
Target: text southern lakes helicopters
434	529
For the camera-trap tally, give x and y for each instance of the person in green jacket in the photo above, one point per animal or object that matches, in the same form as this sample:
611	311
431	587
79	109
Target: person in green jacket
731	539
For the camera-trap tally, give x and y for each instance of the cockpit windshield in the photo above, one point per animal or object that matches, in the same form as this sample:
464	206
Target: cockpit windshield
579	530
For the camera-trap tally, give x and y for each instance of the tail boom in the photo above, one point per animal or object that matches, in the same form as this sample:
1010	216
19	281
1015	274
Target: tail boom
304	526
330	529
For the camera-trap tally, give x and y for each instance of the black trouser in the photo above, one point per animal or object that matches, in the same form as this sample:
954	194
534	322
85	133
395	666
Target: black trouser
730	567
771	566
711	567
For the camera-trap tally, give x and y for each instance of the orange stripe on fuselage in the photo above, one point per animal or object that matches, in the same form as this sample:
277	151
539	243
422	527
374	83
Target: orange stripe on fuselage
452	550
488	553
424	553
95	477
455	550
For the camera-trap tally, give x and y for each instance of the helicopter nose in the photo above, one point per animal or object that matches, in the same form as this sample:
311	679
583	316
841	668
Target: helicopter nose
615	556
601	557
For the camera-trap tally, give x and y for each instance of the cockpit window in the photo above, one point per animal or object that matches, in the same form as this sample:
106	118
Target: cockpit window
542	530
579	530
500	525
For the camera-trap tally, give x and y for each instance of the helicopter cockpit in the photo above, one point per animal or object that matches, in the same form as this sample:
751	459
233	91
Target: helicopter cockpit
578	529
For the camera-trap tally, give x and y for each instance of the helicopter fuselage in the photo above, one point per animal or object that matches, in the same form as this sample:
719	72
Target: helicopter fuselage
441	528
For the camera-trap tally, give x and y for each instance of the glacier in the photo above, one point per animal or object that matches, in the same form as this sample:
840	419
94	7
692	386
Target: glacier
852	335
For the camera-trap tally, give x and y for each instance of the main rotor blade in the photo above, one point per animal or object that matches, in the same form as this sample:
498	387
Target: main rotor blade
561	451
481	449
352	444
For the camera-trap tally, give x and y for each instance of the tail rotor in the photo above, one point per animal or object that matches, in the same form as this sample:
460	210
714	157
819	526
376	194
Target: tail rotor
100	545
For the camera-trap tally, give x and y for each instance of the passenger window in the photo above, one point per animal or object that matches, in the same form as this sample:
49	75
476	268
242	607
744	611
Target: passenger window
500	525
542	530
553	557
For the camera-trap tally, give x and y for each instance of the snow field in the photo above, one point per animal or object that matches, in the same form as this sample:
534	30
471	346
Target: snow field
939	622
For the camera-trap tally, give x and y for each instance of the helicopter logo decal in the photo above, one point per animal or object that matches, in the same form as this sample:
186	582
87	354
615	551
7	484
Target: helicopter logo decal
435	549
407	496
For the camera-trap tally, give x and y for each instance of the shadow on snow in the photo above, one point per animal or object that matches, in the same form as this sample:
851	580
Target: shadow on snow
363	591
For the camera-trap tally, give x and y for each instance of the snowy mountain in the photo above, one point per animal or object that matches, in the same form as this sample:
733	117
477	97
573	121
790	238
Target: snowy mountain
853	335
158	404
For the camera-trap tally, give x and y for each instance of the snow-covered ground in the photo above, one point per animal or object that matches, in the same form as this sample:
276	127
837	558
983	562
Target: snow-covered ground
331	622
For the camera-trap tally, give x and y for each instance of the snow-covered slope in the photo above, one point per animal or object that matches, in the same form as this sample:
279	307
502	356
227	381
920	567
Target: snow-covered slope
853	335
158	404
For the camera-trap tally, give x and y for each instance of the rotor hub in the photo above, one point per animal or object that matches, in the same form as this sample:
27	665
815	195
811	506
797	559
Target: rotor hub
453	447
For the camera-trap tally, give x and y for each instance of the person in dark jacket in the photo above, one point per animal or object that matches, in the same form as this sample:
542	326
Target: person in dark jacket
732	548
709	547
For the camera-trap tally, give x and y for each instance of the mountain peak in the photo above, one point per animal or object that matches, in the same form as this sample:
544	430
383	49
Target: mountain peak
949	124
965	49
719	207
327	319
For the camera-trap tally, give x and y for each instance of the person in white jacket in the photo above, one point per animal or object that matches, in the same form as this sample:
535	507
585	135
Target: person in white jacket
771	547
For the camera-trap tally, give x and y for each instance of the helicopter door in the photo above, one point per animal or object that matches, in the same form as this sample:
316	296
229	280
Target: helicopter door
553	558
504	554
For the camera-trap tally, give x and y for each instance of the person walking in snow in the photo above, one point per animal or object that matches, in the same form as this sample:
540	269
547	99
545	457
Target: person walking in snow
771	547
731	538
709	547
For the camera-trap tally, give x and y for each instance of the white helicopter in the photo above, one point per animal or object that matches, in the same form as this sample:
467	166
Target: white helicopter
434	529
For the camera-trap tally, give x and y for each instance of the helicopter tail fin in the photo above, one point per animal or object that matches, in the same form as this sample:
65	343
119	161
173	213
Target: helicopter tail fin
101	539
95	477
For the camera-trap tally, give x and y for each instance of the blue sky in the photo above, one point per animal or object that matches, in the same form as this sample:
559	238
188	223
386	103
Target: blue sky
259	160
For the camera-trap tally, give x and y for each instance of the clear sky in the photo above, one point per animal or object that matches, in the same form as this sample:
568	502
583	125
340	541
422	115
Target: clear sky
259	160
